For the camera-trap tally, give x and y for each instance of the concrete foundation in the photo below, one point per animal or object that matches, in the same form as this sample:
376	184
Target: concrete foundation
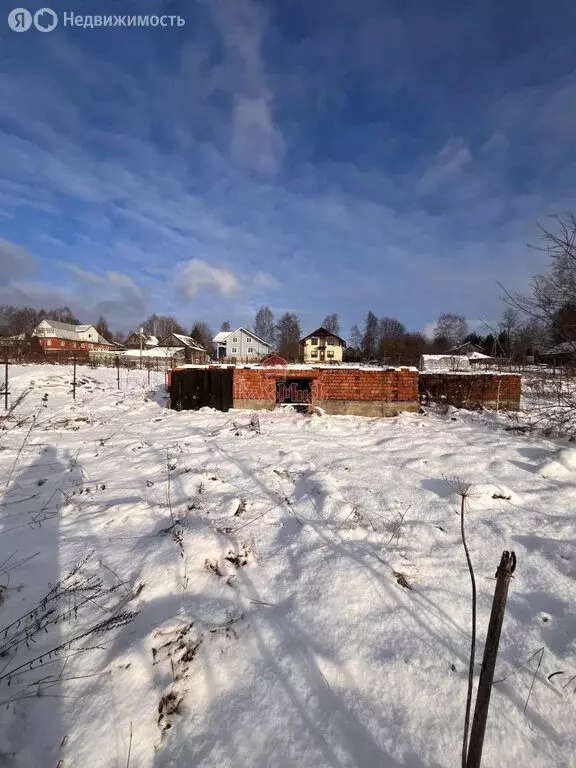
365	407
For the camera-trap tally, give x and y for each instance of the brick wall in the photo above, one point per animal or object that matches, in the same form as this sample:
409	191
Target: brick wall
471	391
337	390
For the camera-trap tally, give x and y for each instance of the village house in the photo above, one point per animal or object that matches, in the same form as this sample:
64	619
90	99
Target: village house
137	340
240	345
55	336
322	346
193	351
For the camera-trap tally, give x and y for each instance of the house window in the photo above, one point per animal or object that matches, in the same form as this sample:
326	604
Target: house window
314	353
235	339
330	353
62	344
314	341
330	340
233	349
49	342
250	349
248	338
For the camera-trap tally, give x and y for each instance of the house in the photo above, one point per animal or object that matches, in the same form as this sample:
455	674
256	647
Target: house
468	349
241	345
562	354
193	351
322	346
55	336
136	340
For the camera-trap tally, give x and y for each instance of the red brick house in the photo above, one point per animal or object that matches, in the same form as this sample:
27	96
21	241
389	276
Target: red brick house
55	336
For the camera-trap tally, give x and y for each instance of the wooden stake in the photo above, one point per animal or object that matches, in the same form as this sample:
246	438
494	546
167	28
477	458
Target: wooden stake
74	381
503	576
6	385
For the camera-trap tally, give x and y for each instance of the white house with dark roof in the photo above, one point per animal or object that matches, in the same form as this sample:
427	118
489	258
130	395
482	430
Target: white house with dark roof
242	345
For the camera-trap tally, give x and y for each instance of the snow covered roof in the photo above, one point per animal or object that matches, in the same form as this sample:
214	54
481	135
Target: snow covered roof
188	341
444	363
478	356
565	348
223	335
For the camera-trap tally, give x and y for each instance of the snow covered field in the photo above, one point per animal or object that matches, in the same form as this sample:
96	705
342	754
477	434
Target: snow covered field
291	593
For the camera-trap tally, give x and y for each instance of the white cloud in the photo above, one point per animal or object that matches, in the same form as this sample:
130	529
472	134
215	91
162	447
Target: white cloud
15	261
83	274
265	280
196	274
256	142
446	166
124	282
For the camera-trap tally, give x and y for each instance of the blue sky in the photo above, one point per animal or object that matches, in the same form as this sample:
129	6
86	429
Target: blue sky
314	156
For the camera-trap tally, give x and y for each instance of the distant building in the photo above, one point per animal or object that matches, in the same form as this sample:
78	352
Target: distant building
322	346
241	345
561	354
136	340
467	349
193	352
55	336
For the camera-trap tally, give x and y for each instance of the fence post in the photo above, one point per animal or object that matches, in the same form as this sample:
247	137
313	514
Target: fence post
148	366
6	385
118	370
74	381
503	576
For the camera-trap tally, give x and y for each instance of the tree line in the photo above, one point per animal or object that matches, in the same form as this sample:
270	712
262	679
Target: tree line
529	324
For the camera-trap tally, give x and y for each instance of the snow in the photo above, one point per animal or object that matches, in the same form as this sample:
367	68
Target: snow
154	352
264	558
444	363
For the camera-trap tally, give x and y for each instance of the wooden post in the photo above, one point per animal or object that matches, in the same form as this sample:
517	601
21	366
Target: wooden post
118	370
74	381
6	385
503	576
148	371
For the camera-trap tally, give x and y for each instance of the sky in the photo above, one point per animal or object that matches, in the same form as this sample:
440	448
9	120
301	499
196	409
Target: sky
309	155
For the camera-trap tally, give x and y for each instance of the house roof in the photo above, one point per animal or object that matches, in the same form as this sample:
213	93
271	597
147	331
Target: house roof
57	325
322	332
564	348
188	341
223	335
71	332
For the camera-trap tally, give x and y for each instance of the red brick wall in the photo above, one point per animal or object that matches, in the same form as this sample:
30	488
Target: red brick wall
330	384
471	391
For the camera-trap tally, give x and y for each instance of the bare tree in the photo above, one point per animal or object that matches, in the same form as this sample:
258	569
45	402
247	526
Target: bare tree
552	294
226	326
202	333
103	328
370	336
332	323
288	335
450	330
264	326
162	326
